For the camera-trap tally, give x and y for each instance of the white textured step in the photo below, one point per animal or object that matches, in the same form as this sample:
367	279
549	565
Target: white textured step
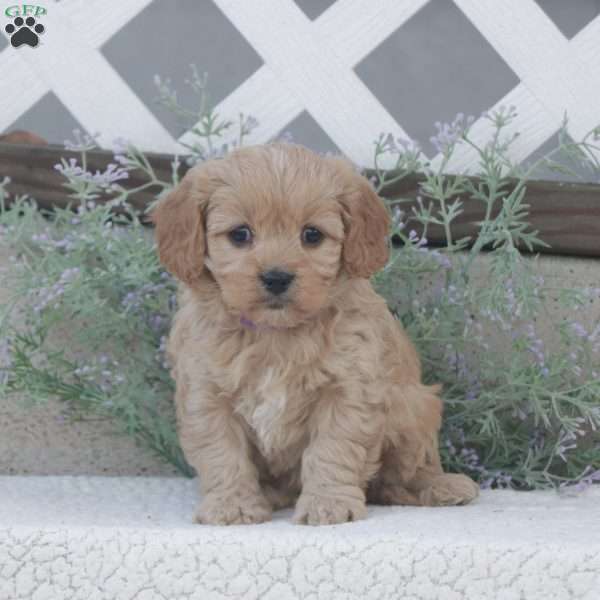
132	538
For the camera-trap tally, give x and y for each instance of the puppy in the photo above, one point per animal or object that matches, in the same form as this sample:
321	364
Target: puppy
294	383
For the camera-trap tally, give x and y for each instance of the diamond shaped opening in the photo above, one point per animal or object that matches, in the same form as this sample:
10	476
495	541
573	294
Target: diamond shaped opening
48	118
570	17
165	38
581	173
314	8
433	67
306	131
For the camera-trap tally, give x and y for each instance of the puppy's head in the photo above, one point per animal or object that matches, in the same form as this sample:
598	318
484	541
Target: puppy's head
275	226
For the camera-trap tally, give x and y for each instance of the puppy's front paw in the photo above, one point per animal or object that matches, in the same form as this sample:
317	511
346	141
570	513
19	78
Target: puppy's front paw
450	489
233	509
316	509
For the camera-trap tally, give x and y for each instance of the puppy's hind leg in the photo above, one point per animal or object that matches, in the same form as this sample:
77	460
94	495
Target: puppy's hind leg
411	472
428	486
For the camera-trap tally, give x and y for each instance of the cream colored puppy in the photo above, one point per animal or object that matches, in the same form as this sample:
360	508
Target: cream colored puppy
295	384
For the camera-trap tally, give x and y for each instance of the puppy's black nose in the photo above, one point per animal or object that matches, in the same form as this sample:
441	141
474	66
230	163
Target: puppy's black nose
276	282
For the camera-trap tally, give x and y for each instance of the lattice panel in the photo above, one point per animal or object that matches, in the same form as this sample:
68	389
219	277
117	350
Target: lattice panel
309	68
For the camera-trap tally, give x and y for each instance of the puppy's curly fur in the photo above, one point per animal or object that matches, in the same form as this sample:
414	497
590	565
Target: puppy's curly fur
312	395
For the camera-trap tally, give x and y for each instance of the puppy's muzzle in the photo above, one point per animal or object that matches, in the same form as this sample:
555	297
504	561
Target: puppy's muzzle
276	282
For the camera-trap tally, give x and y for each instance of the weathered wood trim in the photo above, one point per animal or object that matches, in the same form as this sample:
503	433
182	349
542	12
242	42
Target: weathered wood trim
567	215
31	170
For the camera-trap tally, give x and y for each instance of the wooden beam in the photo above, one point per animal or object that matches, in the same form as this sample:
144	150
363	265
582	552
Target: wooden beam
567	215
31	170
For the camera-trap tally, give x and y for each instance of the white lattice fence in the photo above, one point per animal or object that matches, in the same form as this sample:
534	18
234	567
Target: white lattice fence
308	66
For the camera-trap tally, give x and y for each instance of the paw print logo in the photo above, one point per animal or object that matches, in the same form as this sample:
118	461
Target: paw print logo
24	32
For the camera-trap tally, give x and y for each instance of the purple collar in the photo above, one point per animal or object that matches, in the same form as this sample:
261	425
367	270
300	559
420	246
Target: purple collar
248	324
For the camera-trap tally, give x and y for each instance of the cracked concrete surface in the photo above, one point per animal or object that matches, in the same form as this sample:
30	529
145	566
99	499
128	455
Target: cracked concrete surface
126	538
40	440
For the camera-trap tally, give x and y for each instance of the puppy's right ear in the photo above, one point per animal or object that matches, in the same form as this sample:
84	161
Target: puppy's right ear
179	221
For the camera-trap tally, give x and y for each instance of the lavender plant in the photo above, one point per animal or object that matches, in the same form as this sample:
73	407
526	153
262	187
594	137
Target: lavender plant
88	310
526	418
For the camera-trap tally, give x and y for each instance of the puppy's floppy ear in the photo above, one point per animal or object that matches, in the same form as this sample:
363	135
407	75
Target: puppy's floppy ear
179	221
367	223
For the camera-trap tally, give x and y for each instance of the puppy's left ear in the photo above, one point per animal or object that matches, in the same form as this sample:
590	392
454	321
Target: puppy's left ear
367	223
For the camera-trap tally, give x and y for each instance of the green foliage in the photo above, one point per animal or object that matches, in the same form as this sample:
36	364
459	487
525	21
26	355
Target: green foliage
527	417
89	311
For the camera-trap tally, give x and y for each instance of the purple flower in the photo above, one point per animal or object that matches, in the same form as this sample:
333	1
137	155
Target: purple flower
451	447
134	300
585	480
470	459
120	146
173	301
567	441
49	295
70	274
441	259
72	171
452	295
397	216
415	240
100	372
156	322
83	142
112	174
537	438
579	329
249	124
498	479
449	133
161	354
40	237
471	395
131	299
536	347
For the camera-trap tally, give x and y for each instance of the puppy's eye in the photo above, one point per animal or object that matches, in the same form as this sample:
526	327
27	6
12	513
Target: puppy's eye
311	236
240	236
